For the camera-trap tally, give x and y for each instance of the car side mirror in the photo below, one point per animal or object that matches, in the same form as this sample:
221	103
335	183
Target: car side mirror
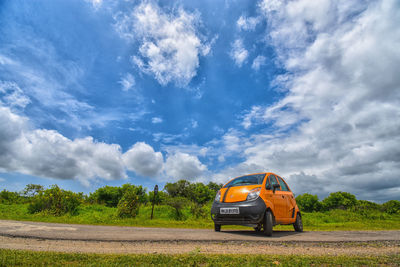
275	186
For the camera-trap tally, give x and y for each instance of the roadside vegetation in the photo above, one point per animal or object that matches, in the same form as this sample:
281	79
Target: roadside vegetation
182	204
31	258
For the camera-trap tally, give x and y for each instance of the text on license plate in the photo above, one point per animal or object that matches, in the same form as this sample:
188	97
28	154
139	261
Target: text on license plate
229	210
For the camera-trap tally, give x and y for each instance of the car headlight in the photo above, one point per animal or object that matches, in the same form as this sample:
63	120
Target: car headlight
218	196
253	194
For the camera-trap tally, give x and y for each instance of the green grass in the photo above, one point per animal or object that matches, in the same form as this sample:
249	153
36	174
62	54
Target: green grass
30	258
163	217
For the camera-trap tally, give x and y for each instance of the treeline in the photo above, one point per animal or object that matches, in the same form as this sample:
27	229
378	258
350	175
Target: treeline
179	195
126	198
344	201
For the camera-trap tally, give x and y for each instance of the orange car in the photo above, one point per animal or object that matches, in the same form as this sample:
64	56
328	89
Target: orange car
259	200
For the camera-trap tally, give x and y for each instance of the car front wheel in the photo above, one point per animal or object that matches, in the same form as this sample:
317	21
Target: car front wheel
268	223
217	227
298	224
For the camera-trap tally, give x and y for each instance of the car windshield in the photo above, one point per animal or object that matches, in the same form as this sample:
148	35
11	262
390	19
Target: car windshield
247	180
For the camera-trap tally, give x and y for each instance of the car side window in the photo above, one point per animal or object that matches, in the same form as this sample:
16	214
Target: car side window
273	180
283	184
268	184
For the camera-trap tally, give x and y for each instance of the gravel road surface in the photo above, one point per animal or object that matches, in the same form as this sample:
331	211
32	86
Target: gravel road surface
116	239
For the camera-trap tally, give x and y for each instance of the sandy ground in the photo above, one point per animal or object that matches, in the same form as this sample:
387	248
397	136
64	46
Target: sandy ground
178	247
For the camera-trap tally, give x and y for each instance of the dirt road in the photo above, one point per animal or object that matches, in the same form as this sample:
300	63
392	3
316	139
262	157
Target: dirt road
115	239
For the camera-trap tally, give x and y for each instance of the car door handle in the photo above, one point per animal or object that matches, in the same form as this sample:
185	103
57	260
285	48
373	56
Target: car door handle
283	196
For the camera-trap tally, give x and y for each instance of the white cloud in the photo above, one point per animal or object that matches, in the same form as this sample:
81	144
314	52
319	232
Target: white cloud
2	179
258	62
11	95
142	159
127	82
238	53
184	166
337	128
170	45
248	23
156	120
47	153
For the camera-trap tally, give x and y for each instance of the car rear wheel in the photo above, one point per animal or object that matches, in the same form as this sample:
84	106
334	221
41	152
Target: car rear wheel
298	224
268	223
217	227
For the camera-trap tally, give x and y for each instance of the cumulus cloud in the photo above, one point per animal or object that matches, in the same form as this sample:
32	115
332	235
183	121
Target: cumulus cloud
338	126
170	45
184	166
47	153
238	53
143	160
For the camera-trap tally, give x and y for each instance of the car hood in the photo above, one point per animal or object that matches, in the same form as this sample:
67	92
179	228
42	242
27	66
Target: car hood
236	193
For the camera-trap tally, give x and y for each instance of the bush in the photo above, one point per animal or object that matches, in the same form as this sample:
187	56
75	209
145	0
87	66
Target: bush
7	197
111	195
339	200
178	203
391	207
198	210
308	202
55	201
128	206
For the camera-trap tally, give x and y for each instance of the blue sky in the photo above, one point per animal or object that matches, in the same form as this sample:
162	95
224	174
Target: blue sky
96	93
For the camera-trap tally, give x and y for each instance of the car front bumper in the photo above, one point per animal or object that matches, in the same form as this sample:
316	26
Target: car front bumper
250	212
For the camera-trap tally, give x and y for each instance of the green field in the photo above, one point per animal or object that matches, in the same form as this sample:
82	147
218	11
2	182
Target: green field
164	217
30	258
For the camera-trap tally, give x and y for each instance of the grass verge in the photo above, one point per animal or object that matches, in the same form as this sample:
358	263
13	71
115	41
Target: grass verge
31	258
102	215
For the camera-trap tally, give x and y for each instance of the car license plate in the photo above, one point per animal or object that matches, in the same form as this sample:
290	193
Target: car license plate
229	210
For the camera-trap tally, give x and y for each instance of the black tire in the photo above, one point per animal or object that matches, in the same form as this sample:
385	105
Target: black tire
298	224
268	223
217	227
257	228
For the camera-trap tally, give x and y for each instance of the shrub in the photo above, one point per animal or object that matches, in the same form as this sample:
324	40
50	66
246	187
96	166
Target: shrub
55	201
178	203
198	210
339	200
308	202
391	207
161	197
7	197
128	206
111	195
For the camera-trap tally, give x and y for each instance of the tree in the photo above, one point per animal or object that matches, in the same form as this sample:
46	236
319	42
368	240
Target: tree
32	190
391	207
214	186
308	202
128	206
181	188
200	193
339	200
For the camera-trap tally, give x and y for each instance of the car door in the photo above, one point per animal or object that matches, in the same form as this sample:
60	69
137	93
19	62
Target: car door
289	198
279	200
